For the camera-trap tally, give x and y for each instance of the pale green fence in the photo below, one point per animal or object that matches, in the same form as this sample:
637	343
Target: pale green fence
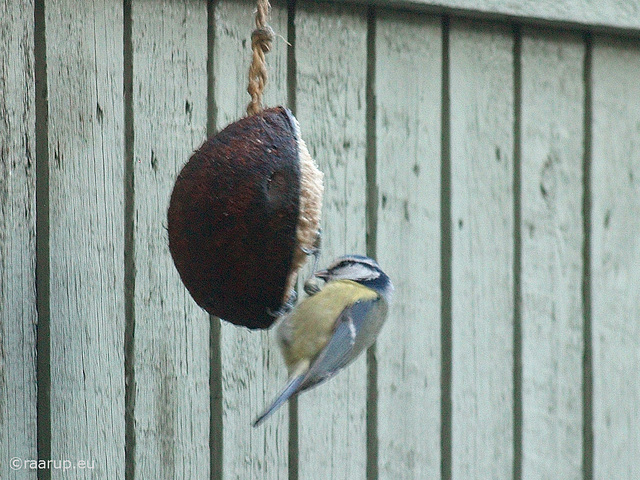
487	153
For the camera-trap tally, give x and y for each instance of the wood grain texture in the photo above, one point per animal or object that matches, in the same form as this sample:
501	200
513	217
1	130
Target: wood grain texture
605	14
482	248
552	240
331	90
86	201
408	86
252	370
18	315
171	349
615	259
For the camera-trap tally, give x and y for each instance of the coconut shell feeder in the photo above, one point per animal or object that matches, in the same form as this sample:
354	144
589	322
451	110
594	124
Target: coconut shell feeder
245	209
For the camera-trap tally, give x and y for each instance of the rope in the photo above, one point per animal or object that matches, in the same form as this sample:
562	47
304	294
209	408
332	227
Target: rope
261	40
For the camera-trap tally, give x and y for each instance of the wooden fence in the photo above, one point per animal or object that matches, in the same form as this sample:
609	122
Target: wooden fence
486	152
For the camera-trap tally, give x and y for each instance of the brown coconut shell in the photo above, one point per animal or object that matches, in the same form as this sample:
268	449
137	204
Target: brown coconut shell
243	211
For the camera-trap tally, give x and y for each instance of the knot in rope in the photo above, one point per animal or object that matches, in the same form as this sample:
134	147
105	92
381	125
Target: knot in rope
261	40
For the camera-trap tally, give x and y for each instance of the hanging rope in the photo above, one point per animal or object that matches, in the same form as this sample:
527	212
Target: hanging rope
261	40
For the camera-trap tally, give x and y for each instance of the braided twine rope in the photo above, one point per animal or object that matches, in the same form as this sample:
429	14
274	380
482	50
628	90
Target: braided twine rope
261	40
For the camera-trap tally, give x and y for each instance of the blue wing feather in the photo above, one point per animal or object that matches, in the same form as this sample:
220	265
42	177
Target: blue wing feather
356	329
289	389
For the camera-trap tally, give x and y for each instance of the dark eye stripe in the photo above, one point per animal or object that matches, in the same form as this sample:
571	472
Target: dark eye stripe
341	264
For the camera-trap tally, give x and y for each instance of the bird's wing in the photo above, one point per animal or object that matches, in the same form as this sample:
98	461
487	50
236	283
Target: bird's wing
356	329
289	389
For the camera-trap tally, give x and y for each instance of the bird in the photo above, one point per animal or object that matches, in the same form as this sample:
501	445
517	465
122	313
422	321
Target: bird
326	331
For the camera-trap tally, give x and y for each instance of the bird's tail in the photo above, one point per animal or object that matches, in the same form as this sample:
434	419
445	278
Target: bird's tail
289	389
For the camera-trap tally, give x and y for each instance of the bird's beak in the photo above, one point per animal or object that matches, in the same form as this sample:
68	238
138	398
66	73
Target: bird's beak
323	274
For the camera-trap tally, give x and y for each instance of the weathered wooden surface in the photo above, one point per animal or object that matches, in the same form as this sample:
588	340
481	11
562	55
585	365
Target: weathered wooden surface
482	248
612	14
17	237
252	370
552	241
171	333
86	198
331	89
91	212
408	82
615	259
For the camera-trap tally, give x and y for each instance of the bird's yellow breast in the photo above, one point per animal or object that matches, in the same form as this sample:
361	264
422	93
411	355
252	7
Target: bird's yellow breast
312	322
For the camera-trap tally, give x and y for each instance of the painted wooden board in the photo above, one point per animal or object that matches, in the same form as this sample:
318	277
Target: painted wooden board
18	316
552	242
606	14
482	248
252	370
86	202
171	333
615	259
331	60
408	93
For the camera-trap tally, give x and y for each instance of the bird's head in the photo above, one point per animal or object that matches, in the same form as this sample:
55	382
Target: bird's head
360	269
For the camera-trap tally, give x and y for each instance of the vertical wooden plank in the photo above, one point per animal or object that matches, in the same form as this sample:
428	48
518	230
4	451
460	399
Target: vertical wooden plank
86	146
482	243
552	239
331	54
252	370
171	354
17	238
408	91
615	259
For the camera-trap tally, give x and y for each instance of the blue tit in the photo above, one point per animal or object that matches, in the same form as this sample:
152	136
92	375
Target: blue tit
325	332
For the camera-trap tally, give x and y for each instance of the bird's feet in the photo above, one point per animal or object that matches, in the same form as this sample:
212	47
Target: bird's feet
286	307
311	286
